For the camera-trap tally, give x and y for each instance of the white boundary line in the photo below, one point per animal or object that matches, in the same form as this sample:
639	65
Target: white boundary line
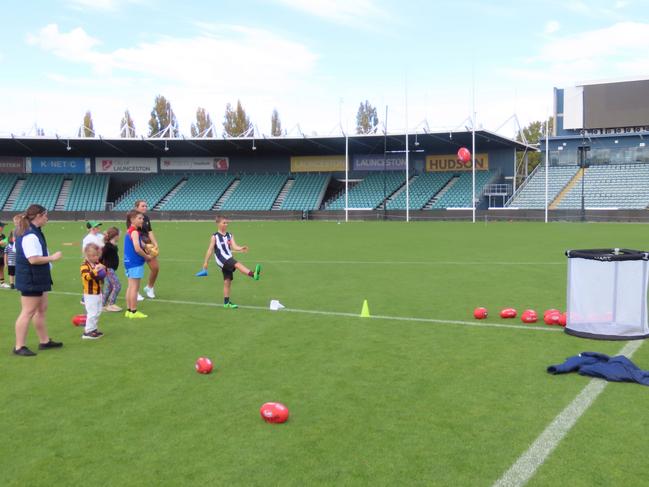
353	315
528	463
375	262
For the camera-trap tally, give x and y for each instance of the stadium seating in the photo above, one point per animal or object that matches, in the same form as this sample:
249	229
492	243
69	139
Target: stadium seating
624	186
200	192
255	192
7	182
88	193
306	192
152	190
532	194
459	195
422	189
370	192
42	189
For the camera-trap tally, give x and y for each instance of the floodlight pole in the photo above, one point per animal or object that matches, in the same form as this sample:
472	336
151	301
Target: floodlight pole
473	148
346	178
407	161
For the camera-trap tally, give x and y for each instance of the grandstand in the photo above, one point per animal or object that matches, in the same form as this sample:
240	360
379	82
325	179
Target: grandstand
458	194
622	186
423	188
307	192
88	193
199	193
153	190
7	182
370	192
255	192
532	193
42	189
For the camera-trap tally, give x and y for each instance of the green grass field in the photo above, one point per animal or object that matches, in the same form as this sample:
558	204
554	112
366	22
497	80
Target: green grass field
380	401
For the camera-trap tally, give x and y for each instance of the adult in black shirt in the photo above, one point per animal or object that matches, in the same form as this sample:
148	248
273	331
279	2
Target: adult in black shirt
147	233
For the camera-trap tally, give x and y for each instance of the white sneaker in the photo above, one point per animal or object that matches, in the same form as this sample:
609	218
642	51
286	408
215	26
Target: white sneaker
149	292
140	297
5	285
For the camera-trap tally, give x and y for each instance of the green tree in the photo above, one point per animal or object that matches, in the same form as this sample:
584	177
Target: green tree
127	127
203	122
533	133
366	119
87	128
275	124
236	122
163	121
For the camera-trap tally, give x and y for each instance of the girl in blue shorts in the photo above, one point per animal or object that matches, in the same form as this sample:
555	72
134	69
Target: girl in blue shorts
134	259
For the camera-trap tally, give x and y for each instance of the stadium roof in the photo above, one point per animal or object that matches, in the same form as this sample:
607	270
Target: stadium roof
431	143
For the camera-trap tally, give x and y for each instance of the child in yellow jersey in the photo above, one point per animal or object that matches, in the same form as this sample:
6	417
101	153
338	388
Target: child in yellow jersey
92	277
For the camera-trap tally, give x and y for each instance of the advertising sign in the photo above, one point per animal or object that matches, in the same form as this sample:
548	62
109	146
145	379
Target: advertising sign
12	164
126	164
194	164
317	163
450	162
379	162
58	165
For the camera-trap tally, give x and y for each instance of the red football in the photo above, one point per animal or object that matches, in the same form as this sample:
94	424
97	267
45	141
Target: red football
529	316
203	365
273	412
79	320
464	154
551	317
480	313
508	313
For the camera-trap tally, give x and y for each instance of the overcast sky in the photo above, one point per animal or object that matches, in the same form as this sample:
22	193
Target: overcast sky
312	60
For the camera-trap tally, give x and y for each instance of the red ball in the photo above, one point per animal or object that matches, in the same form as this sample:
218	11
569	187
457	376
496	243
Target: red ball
273	412
203	365
480	313
551	317
529	316
79	320
464	155
508	313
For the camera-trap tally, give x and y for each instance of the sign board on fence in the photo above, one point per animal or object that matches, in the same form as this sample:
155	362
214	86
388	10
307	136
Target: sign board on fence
12	164
379	162
126	164
58	165
194	164
317	163
450	162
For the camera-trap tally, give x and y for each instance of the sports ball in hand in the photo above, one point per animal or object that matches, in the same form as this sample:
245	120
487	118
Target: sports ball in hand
273	412
151	249
203	365
101	273
480	313
79	320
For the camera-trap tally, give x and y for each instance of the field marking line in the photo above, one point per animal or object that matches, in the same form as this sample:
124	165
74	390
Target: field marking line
376	262
528	463
351	315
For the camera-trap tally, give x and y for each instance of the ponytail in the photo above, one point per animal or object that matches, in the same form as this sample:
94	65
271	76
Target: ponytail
23	220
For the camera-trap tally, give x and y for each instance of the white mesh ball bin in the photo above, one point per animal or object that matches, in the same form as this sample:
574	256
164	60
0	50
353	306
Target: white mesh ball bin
607	294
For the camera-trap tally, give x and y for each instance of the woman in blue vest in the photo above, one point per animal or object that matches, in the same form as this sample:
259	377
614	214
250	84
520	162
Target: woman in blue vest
33	278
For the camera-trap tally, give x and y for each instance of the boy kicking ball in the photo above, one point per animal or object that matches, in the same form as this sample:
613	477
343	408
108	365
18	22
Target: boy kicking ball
222	245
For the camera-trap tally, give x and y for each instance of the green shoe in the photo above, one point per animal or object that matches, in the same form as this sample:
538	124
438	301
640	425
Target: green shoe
255	276
231	305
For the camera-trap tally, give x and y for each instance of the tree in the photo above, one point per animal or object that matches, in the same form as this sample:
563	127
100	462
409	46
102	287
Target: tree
163	121
127	127
275	124
87	129
203	123
236	122
533	133
366	119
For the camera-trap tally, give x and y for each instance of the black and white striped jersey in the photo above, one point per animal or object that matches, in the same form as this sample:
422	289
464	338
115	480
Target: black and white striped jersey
222	251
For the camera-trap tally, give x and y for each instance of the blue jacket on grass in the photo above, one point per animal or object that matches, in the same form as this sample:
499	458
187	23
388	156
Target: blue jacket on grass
593	364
